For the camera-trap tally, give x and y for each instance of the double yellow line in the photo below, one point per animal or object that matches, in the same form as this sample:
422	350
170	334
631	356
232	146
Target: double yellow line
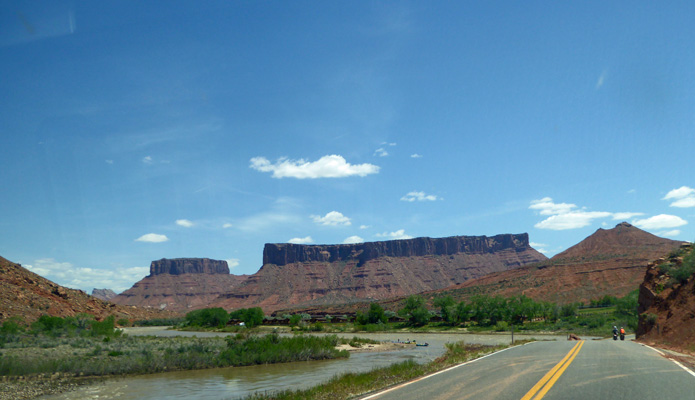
541	388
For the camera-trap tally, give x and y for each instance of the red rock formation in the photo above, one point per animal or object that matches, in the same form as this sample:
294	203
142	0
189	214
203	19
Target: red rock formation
609	262
104	294
300	275
27	295
667	305
181	284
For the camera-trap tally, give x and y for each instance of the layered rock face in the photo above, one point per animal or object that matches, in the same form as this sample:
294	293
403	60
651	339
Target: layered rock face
181	284
666	304
301	275
178	266
609	262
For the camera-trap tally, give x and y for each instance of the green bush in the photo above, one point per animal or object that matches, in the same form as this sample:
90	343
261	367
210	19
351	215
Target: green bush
208	317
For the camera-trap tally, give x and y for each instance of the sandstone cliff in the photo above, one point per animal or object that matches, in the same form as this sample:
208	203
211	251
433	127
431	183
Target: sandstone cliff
667	302
181	284
609	262
300	275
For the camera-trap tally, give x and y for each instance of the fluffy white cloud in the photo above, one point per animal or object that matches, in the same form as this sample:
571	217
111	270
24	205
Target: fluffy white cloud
661	221
399	234
353	239
152	238
147	160
571	220
184	222
415	155
333	218
564	216
381	152
65	274
331	166
418	196
683	197
232	262
546	206
364	226
304	240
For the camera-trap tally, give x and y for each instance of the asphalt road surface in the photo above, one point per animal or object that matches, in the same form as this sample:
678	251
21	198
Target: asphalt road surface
603	369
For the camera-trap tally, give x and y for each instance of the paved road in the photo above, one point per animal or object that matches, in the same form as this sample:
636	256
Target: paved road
602	369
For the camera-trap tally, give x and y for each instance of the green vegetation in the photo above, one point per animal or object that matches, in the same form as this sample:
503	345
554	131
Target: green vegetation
355	384
679	270
251	317
59	345
208	317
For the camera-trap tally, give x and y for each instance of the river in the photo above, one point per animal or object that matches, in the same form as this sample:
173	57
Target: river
238	382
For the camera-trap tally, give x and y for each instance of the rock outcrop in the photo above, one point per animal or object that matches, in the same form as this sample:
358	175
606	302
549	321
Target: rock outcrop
667	302
181	284
104	294
609	262
28	296
301	275
179	266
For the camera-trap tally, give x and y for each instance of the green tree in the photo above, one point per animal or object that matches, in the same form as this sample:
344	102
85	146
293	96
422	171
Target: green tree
295	319
208	317
415	311
447	307
376	314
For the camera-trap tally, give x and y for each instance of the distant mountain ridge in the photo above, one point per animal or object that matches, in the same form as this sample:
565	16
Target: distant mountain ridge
610	261
323	274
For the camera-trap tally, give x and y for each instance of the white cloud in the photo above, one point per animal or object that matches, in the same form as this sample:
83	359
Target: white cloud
232	262
418	196
147	160
684	197
601	79
546	206
571	220
66	274
399	234
152	238
304	240
331	166
564	216
184	222
364	226
623	216
227	225
661	221
353	239
415	155
333	218
381	152
672	233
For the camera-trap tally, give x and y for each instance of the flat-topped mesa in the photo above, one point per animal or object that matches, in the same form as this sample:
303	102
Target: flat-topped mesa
178	266
287	253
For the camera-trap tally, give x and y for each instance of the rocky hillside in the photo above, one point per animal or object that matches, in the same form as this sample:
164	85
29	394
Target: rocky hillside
27	295
181	284
667	302
296	275
610	261
104	294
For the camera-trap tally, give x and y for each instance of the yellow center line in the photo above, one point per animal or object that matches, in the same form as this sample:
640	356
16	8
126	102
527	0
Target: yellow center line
552	376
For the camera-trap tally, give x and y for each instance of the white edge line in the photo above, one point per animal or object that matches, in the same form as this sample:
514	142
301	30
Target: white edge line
431	375
684	367
676	362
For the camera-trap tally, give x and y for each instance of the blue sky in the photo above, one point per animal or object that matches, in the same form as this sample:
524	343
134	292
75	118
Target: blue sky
133	131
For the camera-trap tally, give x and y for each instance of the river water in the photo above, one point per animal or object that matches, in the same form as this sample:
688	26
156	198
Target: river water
238	382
